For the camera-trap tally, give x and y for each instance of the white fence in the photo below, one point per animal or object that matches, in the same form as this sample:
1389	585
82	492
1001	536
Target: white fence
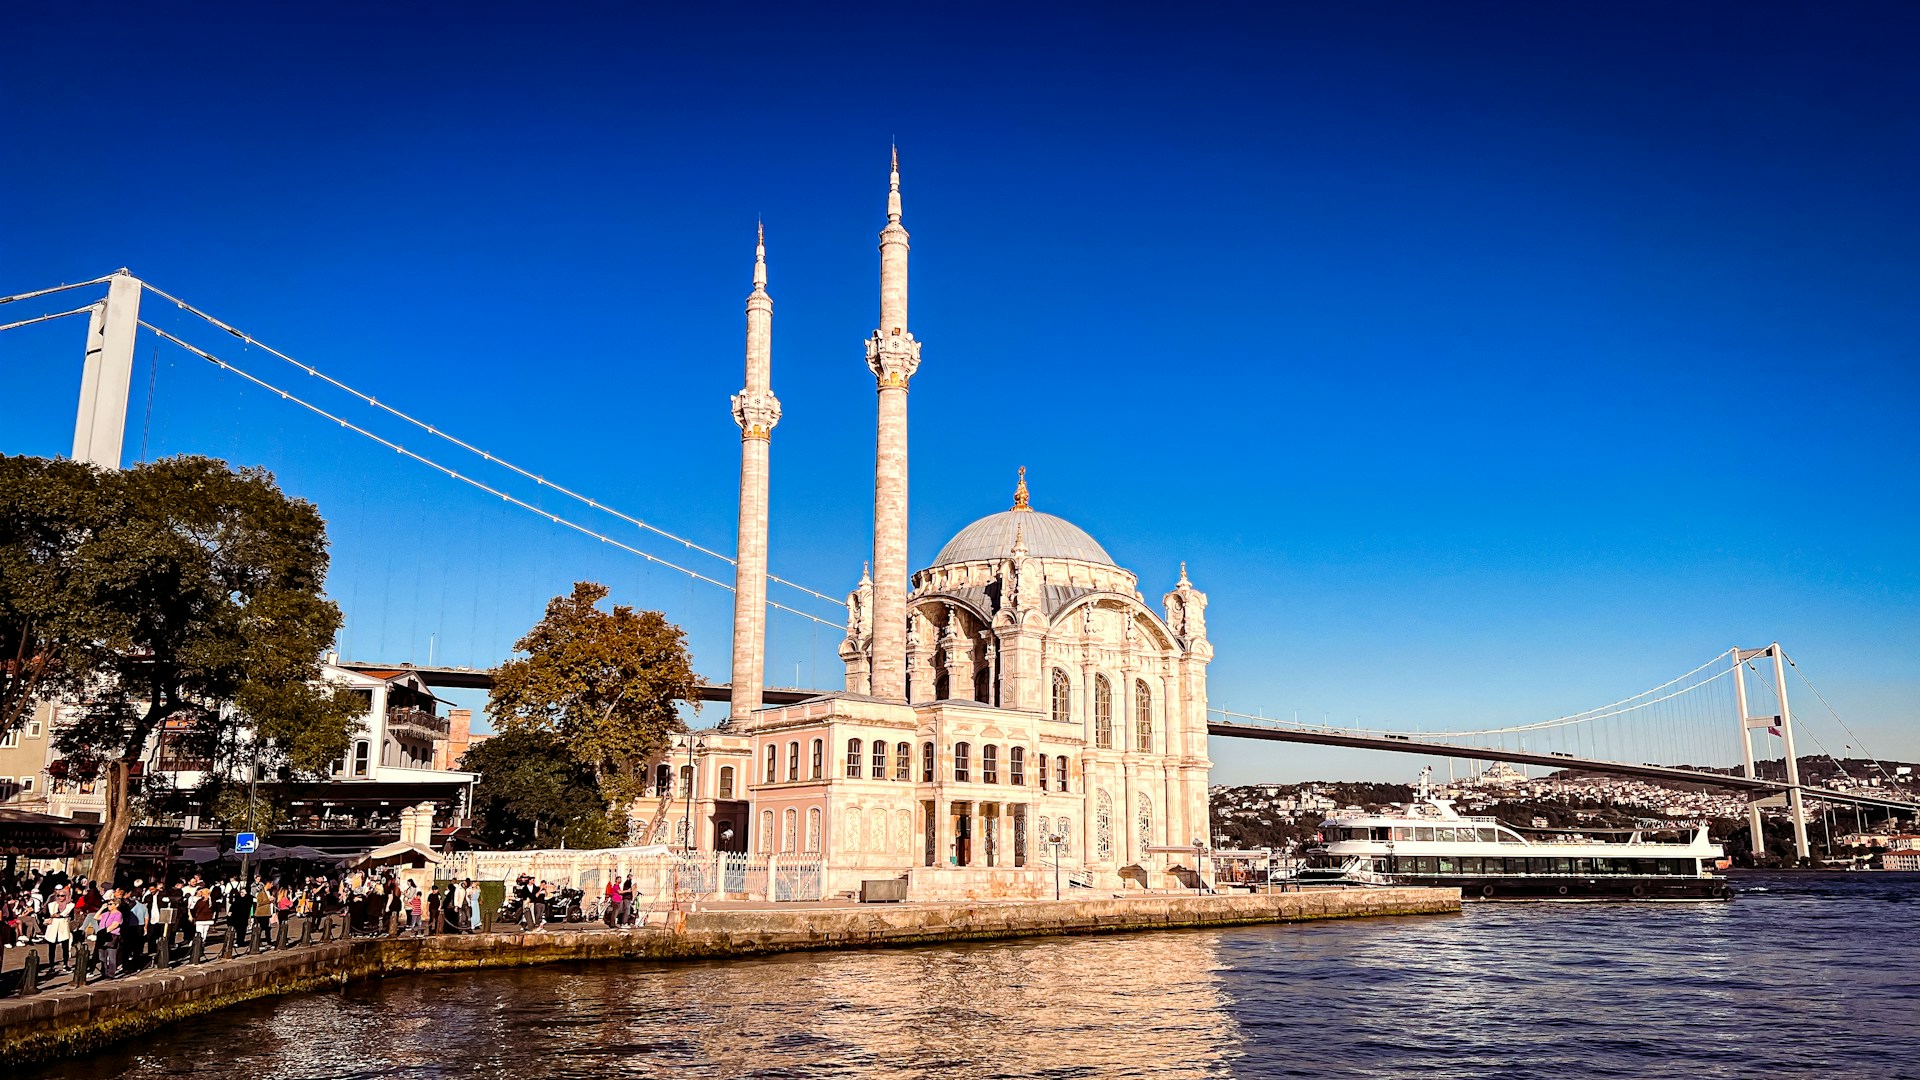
700	875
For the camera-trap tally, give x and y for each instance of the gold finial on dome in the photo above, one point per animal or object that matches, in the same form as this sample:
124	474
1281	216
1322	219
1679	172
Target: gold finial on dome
1020	492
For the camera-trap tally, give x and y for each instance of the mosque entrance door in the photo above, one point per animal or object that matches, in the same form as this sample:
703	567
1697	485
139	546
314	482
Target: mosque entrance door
962	834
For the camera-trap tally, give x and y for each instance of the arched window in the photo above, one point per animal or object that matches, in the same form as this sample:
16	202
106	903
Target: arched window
983	686
989	764
793	760
962	767
1102	828
853	759
686	781
726	781
790	828
680	832
766	826
903	764
1017	766
361	753
1040	773
1145	823
1046	833
773	763
1102	713
853	834
813	829
1142	716
1062	697
662	780
1060	773
1063	828
926	763
940	687
879	759
819	758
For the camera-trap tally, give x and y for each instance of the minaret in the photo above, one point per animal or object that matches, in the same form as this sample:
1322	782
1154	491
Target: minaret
756	410
893	356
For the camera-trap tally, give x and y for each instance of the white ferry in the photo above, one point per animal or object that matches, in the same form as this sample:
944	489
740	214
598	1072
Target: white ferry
1428	843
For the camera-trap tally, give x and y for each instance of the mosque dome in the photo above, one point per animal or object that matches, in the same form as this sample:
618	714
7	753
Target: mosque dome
1046	536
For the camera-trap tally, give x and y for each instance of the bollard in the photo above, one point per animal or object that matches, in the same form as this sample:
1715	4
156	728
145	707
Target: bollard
163	948
280	935
197	953
80	961
30	973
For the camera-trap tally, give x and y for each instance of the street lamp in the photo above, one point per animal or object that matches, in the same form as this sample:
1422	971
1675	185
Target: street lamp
1056	842
1199	863
693	742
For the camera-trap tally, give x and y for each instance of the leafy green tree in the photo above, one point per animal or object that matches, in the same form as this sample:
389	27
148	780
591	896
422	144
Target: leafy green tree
608	684
532	793
181	594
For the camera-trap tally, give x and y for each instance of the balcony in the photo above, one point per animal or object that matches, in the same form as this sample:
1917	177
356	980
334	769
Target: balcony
416	724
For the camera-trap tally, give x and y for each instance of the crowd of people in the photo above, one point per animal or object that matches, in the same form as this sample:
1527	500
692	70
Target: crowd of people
120	930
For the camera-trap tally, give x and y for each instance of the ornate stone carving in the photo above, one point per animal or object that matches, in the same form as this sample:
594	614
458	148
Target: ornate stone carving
893	358
756	413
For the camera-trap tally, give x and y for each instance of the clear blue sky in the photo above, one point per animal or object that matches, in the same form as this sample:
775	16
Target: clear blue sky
1485	362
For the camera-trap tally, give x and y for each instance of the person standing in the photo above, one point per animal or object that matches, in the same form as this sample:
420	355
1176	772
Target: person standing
106	937
203	913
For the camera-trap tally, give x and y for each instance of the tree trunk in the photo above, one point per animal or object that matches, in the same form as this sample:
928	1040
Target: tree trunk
116	823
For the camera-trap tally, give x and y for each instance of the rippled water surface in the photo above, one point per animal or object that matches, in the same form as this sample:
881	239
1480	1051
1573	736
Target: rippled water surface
1803	975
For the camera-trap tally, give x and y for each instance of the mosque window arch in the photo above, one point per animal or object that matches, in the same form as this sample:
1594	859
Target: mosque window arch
1102	827
1142	716
926	763
1102	713
854	832
879	759
819	758
853	759
989	764
1040	772
766	828
663	780
686	781
813	829
1063	828
790	830
793	760
1062	697
1060	773
962	763
773	763
1017	766
1046	830
726	781
1145	822
903	764
982	685
940	687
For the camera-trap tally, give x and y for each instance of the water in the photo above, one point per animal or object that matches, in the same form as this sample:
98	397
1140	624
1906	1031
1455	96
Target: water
1803	975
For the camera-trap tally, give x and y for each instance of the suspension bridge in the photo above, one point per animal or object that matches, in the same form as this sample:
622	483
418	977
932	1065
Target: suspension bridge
1697	729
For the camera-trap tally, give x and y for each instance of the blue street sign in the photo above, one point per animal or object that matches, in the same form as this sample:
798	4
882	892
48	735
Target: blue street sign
246	843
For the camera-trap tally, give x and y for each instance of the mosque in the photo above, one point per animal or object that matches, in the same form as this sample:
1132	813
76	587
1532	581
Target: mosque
1014	706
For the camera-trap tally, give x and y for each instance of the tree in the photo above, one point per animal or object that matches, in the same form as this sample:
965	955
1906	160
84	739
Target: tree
181	594
607	684
532	793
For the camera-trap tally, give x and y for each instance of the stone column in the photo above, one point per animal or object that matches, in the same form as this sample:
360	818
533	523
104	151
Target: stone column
756	410
893	356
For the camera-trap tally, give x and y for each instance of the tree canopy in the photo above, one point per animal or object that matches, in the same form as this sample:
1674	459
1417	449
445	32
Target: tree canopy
533	793
607	684
180	594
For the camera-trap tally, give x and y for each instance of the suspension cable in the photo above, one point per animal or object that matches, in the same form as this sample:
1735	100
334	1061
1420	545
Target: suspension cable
45	318
1857	741
472	449
55	289
463	478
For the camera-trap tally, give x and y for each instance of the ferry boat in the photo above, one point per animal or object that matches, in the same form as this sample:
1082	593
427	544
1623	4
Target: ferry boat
1427	842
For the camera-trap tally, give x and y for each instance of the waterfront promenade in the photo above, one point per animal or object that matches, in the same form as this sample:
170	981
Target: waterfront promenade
64	1020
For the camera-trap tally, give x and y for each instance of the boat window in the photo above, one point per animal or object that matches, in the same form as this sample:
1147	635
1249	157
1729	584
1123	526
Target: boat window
1489	833
1563	866
1426	864
1380	833
1583	866
1447	865
1423	833
1471	866
1403	832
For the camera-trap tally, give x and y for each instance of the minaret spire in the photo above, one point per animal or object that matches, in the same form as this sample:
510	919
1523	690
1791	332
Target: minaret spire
756	410
893	356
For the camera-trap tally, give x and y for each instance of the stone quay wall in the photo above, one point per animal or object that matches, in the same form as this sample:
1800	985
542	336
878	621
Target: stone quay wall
59	1022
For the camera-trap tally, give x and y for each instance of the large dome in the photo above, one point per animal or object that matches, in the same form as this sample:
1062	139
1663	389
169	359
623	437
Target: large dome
1046	536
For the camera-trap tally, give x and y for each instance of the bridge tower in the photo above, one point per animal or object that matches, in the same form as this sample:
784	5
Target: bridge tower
107	375
1781	725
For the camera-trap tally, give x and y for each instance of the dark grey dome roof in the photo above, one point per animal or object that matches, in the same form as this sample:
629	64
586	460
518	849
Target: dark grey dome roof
1046	536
